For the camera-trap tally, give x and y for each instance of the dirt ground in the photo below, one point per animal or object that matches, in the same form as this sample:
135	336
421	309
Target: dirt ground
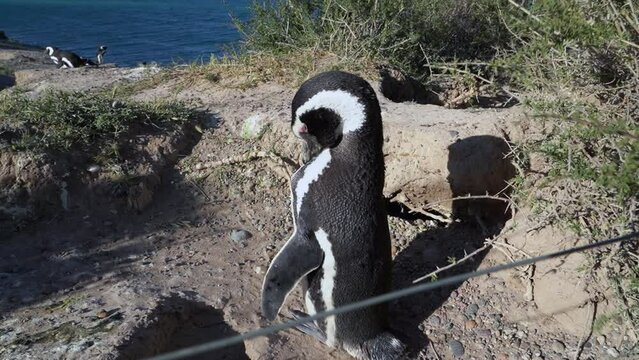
100	281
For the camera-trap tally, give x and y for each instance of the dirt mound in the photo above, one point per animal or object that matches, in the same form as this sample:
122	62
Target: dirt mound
36	187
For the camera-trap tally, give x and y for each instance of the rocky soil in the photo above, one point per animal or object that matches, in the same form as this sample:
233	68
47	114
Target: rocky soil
99	280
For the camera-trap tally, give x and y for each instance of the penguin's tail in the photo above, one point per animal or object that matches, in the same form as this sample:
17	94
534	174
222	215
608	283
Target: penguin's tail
384	346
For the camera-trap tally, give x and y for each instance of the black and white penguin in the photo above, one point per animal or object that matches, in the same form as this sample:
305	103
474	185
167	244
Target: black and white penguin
99	56
66	59
54	54
340	250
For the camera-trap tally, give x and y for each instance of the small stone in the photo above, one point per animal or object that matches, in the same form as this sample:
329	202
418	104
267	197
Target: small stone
259	270
612	352
254	127
94	168
601	340
470	324
102	314
456	348
520	334
483	332
239	235
501	356
434	320
558	346
199	166
471	310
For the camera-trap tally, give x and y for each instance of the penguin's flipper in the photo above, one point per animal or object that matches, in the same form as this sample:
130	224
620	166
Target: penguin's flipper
300	255
310	327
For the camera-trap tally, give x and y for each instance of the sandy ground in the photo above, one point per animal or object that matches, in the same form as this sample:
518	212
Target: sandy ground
106	283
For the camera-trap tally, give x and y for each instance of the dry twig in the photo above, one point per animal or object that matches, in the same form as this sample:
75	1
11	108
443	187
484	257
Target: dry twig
486	245
590	323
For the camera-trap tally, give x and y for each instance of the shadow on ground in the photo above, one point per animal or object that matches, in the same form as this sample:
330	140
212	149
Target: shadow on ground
178	323
476	220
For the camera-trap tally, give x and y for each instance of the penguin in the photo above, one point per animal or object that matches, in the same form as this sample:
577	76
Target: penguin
66	59
340	250
54	54
99	56
70	60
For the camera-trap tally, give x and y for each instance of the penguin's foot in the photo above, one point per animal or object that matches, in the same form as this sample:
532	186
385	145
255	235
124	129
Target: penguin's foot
309	328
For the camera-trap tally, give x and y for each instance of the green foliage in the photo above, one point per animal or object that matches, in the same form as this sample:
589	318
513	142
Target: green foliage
404	33
65	121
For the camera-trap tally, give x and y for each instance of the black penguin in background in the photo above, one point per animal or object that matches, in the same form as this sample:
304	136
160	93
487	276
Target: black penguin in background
54	54
99	56
67	59
340	250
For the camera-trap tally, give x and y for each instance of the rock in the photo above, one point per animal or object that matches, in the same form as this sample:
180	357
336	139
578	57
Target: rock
471	310
601	340
470	324
102	314
483	332
94	169
240	235
456	348
259	270
253	127
558	346
612	352
520	334
434	320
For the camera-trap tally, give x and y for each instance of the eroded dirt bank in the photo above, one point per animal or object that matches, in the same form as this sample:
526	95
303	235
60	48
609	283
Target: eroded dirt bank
107	281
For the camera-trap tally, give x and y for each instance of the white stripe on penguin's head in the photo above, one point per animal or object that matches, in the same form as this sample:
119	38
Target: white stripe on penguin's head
344	104
49	50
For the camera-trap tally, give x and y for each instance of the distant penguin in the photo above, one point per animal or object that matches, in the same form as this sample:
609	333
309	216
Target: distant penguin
66	59
54	54
100	54
340	250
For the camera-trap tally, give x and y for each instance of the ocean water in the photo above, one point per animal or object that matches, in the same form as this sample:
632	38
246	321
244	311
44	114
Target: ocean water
135	31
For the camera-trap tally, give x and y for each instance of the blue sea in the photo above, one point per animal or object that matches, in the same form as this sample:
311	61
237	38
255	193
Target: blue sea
135	31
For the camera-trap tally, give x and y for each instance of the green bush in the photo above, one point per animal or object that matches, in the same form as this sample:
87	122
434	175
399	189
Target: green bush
64	121
404	33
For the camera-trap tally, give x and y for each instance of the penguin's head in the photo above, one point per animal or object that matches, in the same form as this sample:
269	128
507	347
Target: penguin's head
321	127
102	50
333	105
49	50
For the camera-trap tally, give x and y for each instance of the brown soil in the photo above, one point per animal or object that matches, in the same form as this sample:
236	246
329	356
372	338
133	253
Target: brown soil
102	281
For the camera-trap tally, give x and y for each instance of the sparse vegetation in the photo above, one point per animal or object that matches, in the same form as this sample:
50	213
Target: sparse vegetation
63	121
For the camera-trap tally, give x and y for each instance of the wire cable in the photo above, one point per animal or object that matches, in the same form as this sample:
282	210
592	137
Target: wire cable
393	295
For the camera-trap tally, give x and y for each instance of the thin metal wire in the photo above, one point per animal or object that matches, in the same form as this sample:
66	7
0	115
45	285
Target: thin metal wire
393	295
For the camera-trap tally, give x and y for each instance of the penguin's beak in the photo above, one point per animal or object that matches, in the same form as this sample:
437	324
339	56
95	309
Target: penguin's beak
300	129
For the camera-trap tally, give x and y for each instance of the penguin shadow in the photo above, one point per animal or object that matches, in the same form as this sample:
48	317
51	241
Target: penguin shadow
477	165
176	323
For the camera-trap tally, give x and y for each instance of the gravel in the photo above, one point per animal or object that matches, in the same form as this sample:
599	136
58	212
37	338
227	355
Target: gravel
558	346
471	310
240	235
456	348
